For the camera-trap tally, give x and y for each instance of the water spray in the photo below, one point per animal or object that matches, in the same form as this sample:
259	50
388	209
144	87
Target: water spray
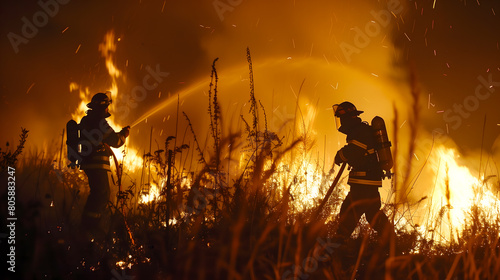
230	80
167	102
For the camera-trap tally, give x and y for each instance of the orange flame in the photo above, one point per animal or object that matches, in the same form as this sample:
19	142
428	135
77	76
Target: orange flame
132	162
152	195
456	190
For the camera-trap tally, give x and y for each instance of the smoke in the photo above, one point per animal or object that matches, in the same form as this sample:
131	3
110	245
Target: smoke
182	39
310	54
307	56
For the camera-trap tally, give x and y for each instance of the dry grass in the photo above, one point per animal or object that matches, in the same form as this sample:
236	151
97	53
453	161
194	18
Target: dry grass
239	228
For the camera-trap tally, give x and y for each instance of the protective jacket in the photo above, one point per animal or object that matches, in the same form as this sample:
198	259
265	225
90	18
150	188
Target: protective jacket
360	154
95	132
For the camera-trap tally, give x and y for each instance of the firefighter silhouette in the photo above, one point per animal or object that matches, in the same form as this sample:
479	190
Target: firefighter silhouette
365	176
95	134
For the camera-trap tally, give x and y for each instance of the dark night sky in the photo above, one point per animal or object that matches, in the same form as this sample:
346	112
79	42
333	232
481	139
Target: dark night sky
448	47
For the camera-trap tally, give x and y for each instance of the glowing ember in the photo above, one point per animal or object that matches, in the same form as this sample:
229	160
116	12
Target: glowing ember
123	264
171	222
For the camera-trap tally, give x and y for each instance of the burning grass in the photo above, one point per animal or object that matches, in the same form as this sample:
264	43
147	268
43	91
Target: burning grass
246	210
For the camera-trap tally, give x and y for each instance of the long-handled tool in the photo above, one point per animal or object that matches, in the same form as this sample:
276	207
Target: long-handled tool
330	190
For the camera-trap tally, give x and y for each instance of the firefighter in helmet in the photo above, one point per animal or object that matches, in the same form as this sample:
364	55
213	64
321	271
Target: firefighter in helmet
96	138
365	176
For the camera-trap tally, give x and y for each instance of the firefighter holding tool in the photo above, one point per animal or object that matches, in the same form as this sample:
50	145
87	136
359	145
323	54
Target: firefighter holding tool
369	157
89	143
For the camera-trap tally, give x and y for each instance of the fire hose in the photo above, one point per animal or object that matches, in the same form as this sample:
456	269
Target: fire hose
119	183
330	190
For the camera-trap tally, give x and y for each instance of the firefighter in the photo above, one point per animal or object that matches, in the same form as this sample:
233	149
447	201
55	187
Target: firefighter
96	136
365	176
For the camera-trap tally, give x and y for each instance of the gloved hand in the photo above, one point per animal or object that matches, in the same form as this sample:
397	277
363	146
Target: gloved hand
125	131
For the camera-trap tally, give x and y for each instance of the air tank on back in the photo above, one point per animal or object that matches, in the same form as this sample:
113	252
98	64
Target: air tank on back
73	143
383	145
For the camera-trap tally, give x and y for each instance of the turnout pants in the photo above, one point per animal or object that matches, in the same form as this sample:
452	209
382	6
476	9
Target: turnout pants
361	200
99	182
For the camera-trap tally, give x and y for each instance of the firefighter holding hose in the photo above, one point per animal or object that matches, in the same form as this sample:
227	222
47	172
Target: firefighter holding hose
368	156
95	138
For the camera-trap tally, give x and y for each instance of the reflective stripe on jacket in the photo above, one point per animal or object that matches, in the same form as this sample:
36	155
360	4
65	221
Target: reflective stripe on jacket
94	133
360	154
96	162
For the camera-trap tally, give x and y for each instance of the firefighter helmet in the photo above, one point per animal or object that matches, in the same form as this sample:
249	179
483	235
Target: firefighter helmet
99	101
345	109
